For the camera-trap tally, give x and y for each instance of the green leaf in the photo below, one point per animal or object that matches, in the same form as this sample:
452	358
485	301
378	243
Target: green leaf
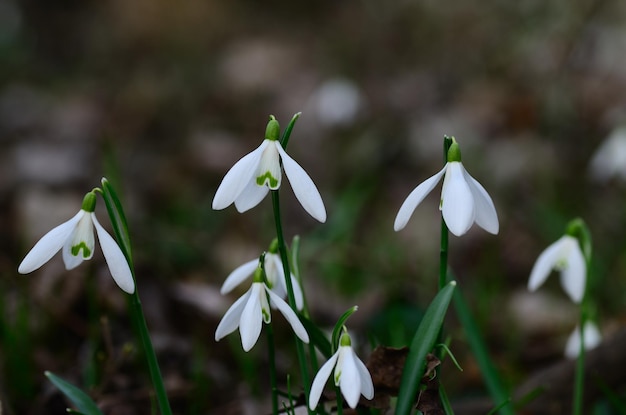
339	325
287	133
80	399
422	344
118	219
317	337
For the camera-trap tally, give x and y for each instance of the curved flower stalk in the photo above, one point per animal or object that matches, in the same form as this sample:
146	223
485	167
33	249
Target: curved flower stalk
274	273
252	309
463	200
75	238
254	175
566	256
350	375
592	338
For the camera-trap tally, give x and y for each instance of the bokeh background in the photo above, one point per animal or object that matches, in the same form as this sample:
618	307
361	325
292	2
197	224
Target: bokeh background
163	97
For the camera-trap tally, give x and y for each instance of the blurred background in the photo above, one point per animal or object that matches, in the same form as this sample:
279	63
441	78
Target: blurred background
163	97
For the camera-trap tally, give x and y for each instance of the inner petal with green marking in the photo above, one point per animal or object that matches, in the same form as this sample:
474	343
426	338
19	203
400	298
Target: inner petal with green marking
269	173
81	246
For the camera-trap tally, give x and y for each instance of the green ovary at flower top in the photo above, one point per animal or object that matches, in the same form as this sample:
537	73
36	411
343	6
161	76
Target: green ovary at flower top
251	178
252	309
75	238
350	374
463	200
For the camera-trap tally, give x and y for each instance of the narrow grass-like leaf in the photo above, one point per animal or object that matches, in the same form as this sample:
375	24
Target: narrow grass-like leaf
317	337
339	326
79	398
494	384
447	407
118	219
422	344
284	140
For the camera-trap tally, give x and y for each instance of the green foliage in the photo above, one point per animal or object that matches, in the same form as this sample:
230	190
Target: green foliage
80	399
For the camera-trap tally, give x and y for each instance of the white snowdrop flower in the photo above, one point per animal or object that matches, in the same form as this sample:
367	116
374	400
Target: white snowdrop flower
252	309
254	175
592	338
609	160
566	256
75	238
350	375
463	200
274	274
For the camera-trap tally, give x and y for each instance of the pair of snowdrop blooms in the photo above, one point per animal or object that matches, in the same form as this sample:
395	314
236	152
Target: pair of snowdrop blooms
75	239
566	256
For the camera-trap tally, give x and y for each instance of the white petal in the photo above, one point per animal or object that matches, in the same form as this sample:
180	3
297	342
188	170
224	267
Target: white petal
486	216
297	293
367	386
239	275
269	172
303	187
250	196
231	319
83	240
320	380
349	381
457	202
252	317
238	178
592	339
574	274
415	198
49	245
545	263
118	266
290	315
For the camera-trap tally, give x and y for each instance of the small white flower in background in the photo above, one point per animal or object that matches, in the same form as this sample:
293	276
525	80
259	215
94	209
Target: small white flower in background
592	338
350	375
609	160
463	200
75	238
275	276
254	175
252	309
566	256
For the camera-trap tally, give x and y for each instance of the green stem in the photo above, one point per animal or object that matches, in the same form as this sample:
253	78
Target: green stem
272	363
282	249
155	373
579	381
339	401
443	255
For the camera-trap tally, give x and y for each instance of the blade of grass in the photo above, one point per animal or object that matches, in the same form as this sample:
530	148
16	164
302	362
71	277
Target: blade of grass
422	344
79	398
494	384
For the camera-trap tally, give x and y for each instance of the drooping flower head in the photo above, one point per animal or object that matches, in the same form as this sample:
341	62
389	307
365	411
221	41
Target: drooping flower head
567	256
591	335
463	200
274	273
255	174
350	375
252	309
75	238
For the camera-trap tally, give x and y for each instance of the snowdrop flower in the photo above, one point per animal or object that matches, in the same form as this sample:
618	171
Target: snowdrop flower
610	158
252	309
274	274
254	175
463	200
350	375
566	256
592	339
75	238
